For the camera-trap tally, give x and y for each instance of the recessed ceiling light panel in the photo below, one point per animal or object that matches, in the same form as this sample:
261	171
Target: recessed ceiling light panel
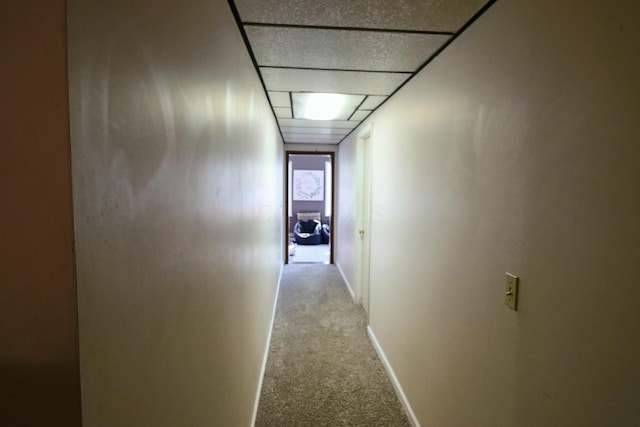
324	106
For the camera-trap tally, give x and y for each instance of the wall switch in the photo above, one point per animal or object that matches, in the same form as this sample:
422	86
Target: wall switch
511	291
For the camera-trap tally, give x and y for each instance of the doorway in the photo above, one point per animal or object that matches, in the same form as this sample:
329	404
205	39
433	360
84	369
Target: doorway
309	207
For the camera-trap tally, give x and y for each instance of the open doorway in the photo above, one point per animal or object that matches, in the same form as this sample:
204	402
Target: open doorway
309	210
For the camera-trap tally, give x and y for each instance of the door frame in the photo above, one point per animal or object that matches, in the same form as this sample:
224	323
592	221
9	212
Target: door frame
332	239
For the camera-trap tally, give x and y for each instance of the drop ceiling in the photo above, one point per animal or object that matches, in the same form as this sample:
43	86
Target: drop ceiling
366	48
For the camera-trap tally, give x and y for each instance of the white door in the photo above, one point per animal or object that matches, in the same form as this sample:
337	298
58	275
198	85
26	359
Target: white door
364	219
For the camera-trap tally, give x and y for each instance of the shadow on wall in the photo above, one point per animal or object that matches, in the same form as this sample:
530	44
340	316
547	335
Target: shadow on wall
40	395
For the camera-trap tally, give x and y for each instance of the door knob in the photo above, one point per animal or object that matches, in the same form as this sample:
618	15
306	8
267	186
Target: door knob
361	231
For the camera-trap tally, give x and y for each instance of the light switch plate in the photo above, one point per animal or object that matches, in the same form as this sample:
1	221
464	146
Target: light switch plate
511	291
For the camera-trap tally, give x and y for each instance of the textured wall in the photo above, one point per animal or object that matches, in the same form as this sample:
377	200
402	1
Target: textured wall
516	150
177	173
39	373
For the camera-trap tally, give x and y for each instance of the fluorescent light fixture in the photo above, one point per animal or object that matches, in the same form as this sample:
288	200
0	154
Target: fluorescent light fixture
324	106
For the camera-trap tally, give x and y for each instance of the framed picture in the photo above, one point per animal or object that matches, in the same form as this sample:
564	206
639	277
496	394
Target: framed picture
308	185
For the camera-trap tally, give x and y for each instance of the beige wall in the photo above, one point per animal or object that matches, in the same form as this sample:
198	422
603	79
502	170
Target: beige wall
516	150
345	245
177	198
39	374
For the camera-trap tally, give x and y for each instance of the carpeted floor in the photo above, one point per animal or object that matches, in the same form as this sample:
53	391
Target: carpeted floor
311	253
322	370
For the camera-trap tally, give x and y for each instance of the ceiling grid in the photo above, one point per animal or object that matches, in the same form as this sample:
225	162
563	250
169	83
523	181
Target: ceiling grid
362	51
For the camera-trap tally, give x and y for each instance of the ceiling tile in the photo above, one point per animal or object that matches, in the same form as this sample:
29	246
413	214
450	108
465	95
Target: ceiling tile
348	82
372	102
282	112
315	130
342	49
313	142
312	139
311	136
328	124
416	15
360	115
280	99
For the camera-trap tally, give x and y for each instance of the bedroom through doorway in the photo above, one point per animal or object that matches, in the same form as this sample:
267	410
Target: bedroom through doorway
310	201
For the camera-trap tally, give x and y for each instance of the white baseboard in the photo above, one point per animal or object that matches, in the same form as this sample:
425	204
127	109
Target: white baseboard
266	351
394	380
346	282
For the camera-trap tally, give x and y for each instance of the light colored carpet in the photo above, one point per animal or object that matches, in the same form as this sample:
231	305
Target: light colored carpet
311	253
322	370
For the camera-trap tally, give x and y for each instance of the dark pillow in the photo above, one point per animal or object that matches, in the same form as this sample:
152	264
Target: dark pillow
308	226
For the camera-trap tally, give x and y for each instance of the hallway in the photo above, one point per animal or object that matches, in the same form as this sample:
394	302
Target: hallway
143	221
322	369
